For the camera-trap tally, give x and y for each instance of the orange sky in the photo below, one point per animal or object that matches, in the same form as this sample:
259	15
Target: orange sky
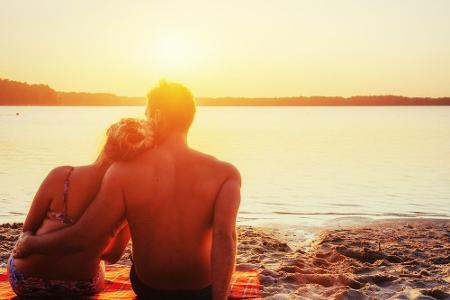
230	48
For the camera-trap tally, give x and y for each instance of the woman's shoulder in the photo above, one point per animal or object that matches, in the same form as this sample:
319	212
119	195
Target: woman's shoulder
58	174
60	170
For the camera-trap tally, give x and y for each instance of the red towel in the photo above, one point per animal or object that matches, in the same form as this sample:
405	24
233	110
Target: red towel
5	289
117	284
244	285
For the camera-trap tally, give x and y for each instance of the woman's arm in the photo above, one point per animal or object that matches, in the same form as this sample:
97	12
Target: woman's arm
114	251
41	202
99	219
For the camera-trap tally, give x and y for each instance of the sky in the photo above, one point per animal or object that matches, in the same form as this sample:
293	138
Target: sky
230	48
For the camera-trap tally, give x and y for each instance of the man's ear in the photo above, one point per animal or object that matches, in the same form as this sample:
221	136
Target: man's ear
156	118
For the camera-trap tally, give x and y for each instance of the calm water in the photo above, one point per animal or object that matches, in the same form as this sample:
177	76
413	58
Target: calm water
303	166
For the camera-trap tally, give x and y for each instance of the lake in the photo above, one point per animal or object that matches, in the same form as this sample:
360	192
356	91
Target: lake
300	166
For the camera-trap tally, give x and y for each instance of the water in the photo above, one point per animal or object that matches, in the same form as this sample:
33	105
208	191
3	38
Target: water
301	166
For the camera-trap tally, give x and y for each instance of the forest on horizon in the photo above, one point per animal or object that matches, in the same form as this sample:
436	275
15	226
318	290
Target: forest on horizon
21	93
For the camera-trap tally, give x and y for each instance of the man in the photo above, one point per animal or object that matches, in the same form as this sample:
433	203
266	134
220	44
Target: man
180	204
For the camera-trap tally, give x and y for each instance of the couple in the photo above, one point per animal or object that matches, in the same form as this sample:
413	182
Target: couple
178	205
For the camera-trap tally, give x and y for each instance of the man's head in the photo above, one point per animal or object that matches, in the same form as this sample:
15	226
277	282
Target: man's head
171	107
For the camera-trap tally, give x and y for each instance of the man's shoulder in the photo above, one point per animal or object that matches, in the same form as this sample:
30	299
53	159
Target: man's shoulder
124	171
232	173
224	167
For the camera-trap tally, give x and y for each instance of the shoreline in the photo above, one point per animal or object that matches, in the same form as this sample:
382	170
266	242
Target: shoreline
400	258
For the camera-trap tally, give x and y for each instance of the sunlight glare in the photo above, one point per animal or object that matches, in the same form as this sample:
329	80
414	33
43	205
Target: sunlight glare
176	51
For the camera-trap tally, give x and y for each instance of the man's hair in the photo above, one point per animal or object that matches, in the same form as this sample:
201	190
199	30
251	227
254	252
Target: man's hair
175	102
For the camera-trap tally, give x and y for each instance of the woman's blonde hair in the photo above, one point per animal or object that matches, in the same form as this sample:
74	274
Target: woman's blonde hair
127	138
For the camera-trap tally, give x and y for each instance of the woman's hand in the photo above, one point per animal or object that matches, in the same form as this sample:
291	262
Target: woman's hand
22	248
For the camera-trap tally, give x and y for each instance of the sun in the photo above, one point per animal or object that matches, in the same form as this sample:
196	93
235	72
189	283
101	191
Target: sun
176	51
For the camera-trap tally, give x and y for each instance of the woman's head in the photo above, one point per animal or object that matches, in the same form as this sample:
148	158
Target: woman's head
126	139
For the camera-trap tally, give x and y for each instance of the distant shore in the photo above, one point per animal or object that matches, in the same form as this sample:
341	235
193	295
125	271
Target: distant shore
22	93
402	258
85	99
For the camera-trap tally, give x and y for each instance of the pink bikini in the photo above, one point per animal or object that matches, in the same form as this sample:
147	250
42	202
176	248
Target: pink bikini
62	216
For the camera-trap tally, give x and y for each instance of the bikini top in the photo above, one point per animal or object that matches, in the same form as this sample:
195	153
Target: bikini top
61	216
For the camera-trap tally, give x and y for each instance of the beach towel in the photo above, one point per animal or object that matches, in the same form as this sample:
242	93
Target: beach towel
244	285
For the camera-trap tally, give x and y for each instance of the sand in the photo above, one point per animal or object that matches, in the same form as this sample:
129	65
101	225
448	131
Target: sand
398	259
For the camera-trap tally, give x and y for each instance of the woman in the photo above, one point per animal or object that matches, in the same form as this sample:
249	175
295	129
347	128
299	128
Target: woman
60	201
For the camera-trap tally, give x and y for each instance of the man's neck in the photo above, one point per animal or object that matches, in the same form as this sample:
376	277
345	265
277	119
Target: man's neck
175	140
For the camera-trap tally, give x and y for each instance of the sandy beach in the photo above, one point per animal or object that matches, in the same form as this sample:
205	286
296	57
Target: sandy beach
399	259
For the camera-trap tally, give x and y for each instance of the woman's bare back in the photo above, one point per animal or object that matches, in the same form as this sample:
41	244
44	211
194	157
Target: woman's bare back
82	184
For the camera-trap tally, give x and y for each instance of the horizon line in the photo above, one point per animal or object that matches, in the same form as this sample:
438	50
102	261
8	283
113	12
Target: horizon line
234	97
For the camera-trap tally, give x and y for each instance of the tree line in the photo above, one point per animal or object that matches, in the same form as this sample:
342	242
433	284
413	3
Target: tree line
21	93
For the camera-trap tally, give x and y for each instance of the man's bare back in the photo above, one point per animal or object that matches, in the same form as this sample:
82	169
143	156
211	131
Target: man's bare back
169	195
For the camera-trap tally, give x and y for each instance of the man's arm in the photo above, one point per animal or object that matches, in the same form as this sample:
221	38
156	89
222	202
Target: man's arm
117	246
97	222
224	235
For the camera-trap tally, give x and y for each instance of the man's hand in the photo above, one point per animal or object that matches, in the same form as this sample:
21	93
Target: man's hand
22	248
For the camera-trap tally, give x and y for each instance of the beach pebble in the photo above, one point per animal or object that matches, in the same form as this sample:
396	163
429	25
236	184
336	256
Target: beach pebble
441	260
350	295
279	297
394	259
436	293
364	255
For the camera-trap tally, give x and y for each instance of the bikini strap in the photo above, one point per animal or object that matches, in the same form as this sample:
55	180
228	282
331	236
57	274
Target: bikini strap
66	189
